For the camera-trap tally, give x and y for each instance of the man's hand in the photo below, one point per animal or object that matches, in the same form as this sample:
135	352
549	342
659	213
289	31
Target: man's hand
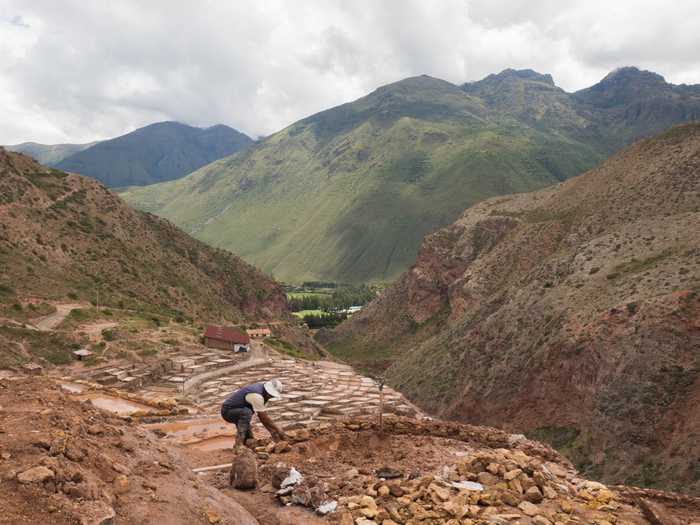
280	436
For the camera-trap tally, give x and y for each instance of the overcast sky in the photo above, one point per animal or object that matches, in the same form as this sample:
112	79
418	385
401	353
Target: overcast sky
76	71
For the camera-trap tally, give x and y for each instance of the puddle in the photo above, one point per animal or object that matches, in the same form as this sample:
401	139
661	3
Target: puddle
116	405
187	430
212	444
73	388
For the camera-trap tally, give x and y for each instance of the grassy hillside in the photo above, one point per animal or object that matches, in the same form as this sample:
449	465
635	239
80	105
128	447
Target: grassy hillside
65	237
159	152
348	194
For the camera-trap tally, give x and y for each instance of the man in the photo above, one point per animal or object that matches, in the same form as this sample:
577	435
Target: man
239	407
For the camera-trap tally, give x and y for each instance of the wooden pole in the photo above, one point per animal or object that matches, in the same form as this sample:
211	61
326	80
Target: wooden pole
381	405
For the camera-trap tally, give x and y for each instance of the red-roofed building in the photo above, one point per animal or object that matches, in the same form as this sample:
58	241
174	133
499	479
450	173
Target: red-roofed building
226	338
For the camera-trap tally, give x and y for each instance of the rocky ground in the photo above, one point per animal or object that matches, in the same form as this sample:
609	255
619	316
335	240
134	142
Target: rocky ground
67	462
428	472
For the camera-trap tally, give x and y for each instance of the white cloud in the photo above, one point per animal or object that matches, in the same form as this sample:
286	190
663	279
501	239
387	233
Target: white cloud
76	71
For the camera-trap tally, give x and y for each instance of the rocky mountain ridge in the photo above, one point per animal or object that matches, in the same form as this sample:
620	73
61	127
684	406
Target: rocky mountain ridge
571	313
347	194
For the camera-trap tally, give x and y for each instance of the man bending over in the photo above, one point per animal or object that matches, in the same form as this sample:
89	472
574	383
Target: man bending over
239	407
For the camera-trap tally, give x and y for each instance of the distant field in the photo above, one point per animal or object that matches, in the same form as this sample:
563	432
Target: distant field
302	295
302	313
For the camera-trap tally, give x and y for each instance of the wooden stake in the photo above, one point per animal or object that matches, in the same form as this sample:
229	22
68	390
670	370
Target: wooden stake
381	405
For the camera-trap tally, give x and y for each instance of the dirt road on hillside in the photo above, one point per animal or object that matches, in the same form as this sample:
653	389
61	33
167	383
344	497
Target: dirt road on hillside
51	321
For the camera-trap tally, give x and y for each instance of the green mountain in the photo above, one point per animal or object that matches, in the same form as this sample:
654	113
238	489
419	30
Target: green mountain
347	194
48	154
156	153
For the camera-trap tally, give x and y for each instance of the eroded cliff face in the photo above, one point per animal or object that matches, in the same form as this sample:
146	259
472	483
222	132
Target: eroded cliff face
572	313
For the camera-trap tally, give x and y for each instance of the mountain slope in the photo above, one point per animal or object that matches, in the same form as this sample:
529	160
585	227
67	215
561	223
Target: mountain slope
571	313
48	154
159	152
66	235
630	104
348	193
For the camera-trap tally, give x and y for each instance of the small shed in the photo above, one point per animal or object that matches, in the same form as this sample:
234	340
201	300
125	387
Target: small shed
226	338
82	354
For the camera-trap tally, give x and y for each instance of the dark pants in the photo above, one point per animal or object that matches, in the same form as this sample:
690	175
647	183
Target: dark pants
240	417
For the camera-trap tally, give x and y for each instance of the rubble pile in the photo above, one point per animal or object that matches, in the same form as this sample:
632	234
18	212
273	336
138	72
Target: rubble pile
459	479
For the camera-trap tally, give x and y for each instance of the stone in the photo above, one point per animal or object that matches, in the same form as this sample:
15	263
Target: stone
301	495
346	519
541	520
74	453
442	493
58	446
533	495
42	442
515	485
548	492
364	521
244	470
383	490
593	486
121	469
212	517
556	469
97	513
509	498
604	496
367	502
351	473
396	490
493	468
566	506
121	484
486	478
281	447
95	430
529	509
35	475
512	474
454	508
278	473
327	507
539	479
388	473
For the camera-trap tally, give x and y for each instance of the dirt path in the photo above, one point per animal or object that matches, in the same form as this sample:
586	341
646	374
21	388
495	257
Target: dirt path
51	321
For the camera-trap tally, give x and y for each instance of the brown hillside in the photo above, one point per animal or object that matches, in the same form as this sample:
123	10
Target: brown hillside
65	235
571	313
63	462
